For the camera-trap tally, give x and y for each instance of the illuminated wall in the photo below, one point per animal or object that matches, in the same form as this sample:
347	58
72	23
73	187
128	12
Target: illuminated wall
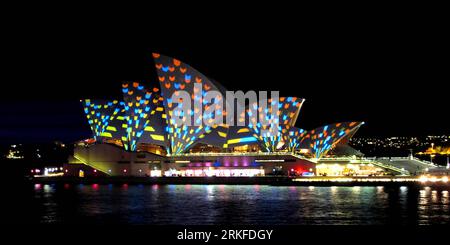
175	75
238	136
293	138
137	109
99	114
321	140
129	120
154	133
217	137
288	110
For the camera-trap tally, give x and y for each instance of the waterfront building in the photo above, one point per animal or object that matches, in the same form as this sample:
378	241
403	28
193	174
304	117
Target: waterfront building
138	136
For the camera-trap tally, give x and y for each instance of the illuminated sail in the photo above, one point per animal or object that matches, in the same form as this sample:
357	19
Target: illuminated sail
174	76
321	140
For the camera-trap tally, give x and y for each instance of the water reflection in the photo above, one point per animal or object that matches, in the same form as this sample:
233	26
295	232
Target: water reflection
224	204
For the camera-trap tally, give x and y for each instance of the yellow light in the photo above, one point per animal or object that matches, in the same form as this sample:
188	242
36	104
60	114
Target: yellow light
182	161
243	130
423	179
233	141
304	151
111	128
222	134
444	179
106	134
157	137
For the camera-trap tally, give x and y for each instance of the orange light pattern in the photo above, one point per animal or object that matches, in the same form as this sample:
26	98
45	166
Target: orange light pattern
99	114
293	138
175	75
124	120
323	139
288	109
137	108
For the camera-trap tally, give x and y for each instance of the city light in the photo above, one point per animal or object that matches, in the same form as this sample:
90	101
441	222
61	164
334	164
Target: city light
423	179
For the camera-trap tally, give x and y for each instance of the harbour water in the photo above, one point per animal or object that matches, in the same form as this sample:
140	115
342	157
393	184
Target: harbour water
227	204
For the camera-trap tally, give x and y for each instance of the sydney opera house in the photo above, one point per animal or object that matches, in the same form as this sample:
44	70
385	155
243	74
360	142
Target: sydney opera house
136	136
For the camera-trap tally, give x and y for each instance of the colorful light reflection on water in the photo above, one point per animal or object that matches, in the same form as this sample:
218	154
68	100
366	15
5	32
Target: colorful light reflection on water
230	204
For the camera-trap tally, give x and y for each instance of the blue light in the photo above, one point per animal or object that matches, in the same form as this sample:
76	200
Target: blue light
247	139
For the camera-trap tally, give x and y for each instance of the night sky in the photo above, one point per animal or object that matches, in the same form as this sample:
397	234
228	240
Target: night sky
392	78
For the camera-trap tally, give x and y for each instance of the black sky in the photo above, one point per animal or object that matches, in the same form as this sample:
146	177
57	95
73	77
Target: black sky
392	76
